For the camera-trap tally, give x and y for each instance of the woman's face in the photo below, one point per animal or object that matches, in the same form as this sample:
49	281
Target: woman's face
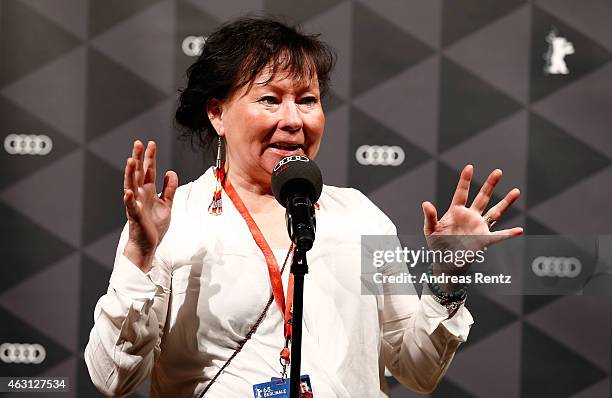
268	122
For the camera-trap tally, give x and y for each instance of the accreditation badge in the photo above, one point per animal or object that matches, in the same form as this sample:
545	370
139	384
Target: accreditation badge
279	388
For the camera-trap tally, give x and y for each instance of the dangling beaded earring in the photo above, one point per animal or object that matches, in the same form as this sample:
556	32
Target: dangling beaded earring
216	207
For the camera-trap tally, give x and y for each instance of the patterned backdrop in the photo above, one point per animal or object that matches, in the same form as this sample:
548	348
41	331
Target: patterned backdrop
449	82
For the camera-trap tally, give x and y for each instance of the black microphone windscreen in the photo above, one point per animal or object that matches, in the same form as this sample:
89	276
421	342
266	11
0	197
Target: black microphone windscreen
296	174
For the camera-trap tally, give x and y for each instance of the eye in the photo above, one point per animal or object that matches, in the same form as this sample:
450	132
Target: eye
268	100
310	100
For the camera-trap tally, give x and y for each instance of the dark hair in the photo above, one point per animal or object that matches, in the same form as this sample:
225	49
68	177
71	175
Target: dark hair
234	55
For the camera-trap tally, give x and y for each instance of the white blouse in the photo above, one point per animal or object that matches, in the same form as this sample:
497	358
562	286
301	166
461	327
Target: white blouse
181	321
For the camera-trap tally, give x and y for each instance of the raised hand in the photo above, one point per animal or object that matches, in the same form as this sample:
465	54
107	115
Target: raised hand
148	214
460	220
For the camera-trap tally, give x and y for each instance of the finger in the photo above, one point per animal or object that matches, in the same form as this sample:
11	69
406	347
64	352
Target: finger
498	236
497	211
430	217
135	149
170	185
128	176
130	204
150	163
463	186
484	195
137	154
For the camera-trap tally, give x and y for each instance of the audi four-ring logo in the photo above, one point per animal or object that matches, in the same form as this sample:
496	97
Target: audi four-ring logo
562	267
192	45
23	144
380	155
22	353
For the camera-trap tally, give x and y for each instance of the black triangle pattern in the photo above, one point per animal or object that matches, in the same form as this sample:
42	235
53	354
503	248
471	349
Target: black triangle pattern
105	14
367	131
490	317
299	11
103	210
533	227
15	331
94	282
16	120
551	369
588	55
460	18
22	53
468	105
534	302
447	388
372	63
114	94
556	160
17	252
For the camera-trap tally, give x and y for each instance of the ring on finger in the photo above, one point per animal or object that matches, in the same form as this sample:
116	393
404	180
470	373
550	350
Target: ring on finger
490	221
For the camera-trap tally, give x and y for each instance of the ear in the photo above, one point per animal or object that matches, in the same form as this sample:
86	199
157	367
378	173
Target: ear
214	111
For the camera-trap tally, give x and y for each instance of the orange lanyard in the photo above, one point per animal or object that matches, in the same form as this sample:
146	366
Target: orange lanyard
285	306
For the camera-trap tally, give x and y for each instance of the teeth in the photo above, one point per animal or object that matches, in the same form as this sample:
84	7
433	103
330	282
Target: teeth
285	146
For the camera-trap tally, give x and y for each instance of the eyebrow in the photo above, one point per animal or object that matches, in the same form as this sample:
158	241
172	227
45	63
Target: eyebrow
301	87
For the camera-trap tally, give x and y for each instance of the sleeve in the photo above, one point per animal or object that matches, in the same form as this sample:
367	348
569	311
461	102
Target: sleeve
419	336
128	324
420	339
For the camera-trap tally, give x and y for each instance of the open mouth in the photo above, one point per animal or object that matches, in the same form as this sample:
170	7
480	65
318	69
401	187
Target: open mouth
286	147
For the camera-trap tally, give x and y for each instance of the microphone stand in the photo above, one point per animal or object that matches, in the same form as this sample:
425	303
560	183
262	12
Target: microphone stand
299	268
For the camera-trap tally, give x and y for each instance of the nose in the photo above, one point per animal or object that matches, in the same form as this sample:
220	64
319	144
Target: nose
290	117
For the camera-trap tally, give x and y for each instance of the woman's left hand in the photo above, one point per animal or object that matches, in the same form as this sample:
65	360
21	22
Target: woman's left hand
461	220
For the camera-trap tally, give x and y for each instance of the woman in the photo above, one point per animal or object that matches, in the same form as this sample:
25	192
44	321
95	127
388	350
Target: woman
189	299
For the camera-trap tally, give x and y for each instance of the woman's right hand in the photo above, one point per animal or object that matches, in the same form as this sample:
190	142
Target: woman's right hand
148	214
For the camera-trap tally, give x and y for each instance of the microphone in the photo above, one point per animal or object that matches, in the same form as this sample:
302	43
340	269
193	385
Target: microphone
297	184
